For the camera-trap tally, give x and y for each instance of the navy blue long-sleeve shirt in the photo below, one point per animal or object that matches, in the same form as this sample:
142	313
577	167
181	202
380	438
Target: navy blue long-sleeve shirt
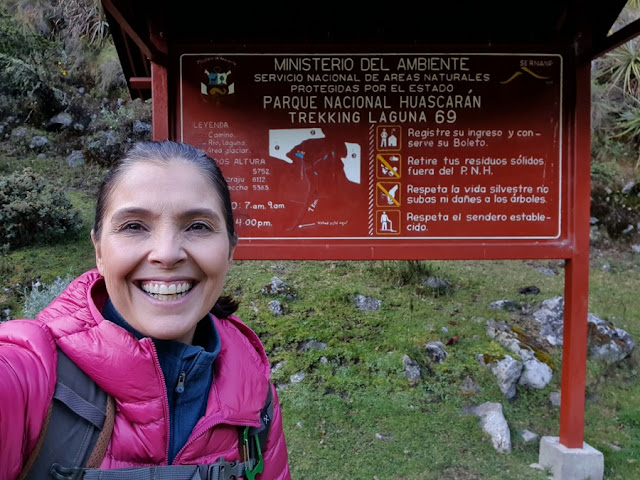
188	373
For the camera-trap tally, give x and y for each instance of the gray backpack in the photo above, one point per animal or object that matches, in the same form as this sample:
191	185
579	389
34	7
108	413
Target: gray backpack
78	428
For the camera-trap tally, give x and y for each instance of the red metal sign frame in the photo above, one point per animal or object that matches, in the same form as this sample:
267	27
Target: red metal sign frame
571	244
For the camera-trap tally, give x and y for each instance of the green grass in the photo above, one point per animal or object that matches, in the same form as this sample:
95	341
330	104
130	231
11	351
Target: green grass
355	414
333	416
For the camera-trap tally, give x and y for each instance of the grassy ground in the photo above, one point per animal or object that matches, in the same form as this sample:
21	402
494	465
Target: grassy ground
355	415
355	408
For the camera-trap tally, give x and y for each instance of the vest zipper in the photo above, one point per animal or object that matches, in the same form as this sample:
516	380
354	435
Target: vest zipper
165	398
180	386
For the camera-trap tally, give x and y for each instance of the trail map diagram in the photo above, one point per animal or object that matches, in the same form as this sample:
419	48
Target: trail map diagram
329	169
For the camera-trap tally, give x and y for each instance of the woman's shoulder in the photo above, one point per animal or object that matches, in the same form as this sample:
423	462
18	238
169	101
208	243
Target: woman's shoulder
27	380
27	357
239	340
83	298
28	350
29	334
31	343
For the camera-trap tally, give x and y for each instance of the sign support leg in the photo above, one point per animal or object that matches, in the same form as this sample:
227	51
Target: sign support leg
576	308
568	456
160	99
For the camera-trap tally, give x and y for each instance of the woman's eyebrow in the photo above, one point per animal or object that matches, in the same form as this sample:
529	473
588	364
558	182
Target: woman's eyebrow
129	212
201	212
126	212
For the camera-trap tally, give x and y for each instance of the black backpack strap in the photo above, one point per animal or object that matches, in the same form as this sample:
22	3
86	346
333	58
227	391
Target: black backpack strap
26	468
74	439
70	434
253	439
220	470
266	415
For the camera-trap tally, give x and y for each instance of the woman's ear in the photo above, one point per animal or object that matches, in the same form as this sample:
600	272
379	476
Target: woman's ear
96	247
232	249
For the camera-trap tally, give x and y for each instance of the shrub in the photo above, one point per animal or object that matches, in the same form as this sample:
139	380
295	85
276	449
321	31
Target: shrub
33	210
26	58
108	71
405	272
615	210
38	298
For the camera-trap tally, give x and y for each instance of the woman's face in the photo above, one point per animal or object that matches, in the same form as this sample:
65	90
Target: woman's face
164	248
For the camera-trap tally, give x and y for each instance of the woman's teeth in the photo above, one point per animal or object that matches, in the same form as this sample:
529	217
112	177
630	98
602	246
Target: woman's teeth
162	291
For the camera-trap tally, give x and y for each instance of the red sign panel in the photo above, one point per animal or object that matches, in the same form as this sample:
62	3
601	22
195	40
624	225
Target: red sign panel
378	147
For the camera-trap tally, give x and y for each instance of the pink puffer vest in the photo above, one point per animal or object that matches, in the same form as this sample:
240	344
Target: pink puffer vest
128	369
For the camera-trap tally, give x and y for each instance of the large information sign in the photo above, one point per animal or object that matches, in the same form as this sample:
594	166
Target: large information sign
382	146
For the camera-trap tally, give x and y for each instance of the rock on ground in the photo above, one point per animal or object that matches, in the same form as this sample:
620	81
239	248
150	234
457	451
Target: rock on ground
507	371
366	304
494	424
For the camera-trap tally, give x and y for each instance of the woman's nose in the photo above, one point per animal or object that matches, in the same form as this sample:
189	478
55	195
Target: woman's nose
166	249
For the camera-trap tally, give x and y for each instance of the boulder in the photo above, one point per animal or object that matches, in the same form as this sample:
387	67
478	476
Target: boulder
141	128
438	285
469	386
508	305
507	371
19	135
535	374
528	436
436	351
608	342
550	315
39	143
276	308
312	345
60	121
278	287
75	158
297	377
411	369
494	424
366	304
104	148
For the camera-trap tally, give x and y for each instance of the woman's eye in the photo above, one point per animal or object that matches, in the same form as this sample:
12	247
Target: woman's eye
132	227
199	226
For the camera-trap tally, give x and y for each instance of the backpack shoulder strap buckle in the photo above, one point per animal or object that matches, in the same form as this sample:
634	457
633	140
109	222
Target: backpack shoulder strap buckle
66	473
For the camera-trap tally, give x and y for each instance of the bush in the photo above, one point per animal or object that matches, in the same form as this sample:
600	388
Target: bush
615	210
108	71
32	210
38	298
26	60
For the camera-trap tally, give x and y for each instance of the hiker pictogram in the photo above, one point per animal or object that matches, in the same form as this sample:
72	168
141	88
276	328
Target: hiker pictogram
388	222
388	137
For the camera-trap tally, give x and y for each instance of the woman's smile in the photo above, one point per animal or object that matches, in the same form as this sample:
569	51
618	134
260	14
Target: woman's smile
166	292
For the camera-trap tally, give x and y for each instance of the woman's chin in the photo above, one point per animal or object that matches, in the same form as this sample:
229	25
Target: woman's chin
178	335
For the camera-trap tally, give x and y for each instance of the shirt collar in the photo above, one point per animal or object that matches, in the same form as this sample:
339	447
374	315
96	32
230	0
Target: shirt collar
205	337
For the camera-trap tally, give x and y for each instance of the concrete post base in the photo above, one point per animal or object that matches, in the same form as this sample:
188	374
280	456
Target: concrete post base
584	463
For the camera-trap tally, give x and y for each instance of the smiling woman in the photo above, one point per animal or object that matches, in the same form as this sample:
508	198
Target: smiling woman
149	326
151	242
